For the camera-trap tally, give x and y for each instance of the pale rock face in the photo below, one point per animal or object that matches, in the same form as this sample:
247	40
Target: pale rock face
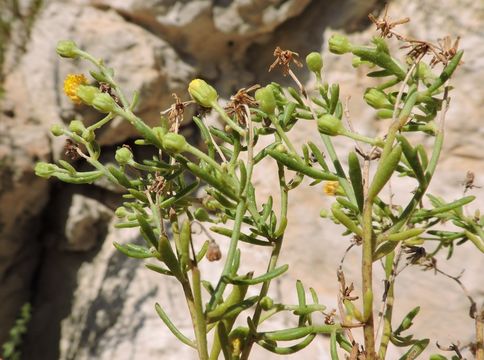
91	302
85	222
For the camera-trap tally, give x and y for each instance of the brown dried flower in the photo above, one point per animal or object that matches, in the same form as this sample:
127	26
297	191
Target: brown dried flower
284	59
237	104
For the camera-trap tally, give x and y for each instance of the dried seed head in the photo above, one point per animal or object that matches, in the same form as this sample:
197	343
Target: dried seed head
213	252
283	59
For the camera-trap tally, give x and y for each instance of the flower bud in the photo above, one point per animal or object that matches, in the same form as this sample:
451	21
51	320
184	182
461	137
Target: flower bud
201	214
77	127
57	130
174	142
121	212
86	93
45	170
281	148
330	125
67	49
357	62
265	98
266	303
314	61
88	135
377	99
211	204
384	114
425	73
339	44
103	102
123	155
203	93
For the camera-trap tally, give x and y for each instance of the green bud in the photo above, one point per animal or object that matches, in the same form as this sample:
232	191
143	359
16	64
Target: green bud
67	49
211	204
159	132
281	148
123	155
377	99
174	142
103	102
88	135
87	93
265	98
425	73
266	303
324	213
45	170
57	130
201	214
121	212
203	93
339	44
384	113
330	125
77	127
314	61
381	44
357	62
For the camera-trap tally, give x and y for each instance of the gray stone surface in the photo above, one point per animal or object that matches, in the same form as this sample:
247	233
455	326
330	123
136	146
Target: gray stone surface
91	302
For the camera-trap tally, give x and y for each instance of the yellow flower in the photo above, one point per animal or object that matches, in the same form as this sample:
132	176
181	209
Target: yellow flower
71	83
236	344
331	187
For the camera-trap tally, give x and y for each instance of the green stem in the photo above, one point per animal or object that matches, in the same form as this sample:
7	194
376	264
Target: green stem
101	122
387	318
272	263
106	72
200	321
283	135
365	139
367	277
227	119
239	215
201	155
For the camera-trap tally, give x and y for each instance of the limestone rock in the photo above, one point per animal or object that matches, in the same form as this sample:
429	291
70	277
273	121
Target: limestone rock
86	223
100	303
22	198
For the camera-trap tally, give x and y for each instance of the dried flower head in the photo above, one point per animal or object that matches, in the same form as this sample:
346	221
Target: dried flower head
71	83
330	187
284	59
446	51
237	103
175	114
106	88
213	252
158	185
385	26
70	150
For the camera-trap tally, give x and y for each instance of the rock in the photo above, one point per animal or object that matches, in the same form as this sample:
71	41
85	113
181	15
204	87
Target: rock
86	223
147	64
22	198
98	303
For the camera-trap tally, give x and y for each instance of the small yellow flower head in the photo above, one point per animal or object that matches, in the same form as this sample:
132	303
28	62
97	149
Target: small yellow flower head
71	83
330	187
236	346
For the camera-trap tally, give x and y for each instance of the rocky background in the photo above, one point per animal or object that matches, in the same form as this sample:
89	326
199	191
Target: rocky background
55	239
